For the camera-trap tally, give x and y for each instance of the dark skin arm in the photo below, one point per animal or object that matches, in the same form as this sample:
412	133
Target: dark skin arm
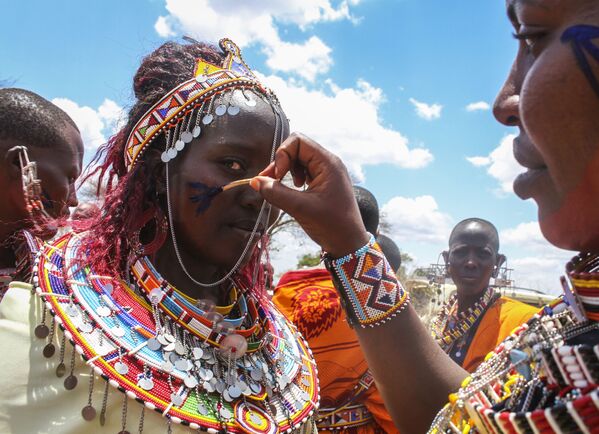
412	373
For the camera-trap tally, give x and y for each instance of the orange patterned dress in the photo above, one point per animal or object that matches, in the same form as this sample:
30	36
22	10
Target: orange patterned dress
350	400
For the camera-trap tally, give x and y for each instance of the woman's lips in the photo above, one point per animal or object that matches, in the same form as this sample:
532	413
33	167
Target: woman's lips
528	183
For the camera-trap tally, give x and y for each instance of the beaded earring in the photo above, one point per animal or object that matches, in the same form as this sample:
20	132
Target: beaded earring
32	192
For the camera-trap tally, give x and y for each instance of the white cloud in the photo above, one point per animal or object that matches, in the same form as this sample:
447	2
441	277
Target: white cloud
255	21
347	122
427	111
537	264
478	106
163	27
288	247
479	161
307	60
95	125
500	164
416	219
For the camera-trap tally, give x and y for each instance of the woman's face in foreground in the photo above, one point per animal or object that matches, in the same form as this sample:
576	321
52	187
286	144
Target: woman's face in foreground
552	96
229	149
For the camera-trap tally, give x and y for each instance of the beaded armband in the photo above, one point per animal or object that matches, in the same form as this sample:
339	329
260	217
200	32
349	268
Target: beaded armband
369	289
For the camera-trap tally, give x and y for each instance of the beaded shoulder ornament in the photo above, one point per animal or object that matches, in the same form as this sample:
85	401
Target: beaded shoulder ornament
240	368
449	325
544	378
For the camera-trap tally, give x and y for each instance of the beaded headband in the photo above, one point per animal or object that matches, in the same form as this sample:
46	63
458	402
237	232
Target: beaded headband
209	81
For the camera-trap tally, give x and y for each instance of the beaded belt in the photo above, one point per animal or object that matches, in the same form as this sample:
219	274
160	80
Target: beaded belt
348	417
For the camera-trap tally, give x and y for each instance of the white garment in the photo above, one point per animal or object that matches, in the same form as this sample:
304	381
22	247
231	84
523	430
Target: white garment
33	399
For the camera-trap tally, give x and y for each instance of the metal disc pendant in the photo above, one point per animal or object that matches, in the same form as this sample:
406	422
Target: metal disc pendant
220	110
146	383
181	365
177	400
234	392
186	137
103	311
226	396
208	386
190	382
72	311
172	153
88	413
180	144
197	353
233	110
153	344
121	368
118	331
42	331
225	413
250	102
207	119
164	157
196	131
201	78
49	350
86	327
180	348
61	369
202	409
167	366
70	382
255	387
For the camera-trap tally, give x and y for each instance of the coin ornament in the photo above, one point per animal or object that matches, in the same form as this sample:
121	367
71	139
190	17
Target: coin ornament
42	331
253	419
88	413
70	382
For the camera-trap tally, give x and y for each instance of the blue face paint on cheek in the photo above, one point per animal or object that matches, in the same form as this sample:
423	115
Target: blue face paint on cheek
580	38
204	195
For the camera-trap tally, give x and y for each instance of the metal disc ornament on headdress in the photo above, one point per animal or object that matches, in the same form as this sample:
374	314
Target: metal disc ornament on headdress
188	98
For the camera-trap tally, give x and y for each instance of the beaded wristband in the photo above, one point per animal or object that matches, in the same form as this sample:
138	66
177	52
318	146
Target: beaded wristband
369	289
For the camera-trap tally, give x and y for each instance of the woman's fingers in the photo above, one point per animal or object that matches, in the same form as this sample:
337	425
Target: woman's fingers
327	210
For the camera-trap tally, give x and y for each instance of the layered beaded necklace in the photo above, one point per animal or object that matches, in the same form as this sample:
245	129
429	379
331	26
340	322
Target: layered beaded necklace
240	368
544	378
450	325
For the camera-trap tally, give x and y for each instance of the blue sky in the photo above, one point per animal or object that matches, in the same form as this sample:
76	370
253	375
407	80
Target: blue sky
385	84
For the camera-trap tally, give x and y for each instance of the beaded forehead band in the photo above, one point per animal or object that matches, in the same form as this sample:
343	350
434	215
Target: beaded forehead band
174	113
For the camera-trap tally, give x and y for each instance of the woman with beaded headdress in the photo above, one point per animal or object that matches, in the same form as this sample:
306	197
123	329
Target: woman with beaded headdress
544	377
161	297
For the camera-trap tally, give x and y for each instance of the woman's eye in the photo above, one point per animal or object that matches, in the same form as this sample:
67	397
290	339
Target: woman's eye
529	37
233	165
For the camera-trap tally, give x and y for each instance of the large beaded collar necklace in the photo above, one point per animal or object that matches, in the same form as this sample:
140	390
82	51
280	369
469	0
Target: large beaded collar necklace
449	325
240	368
542	379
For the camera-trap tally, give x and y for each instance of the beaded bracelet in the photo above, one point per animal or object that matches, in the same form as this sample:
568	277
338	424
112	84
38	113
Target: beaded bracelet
369	289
